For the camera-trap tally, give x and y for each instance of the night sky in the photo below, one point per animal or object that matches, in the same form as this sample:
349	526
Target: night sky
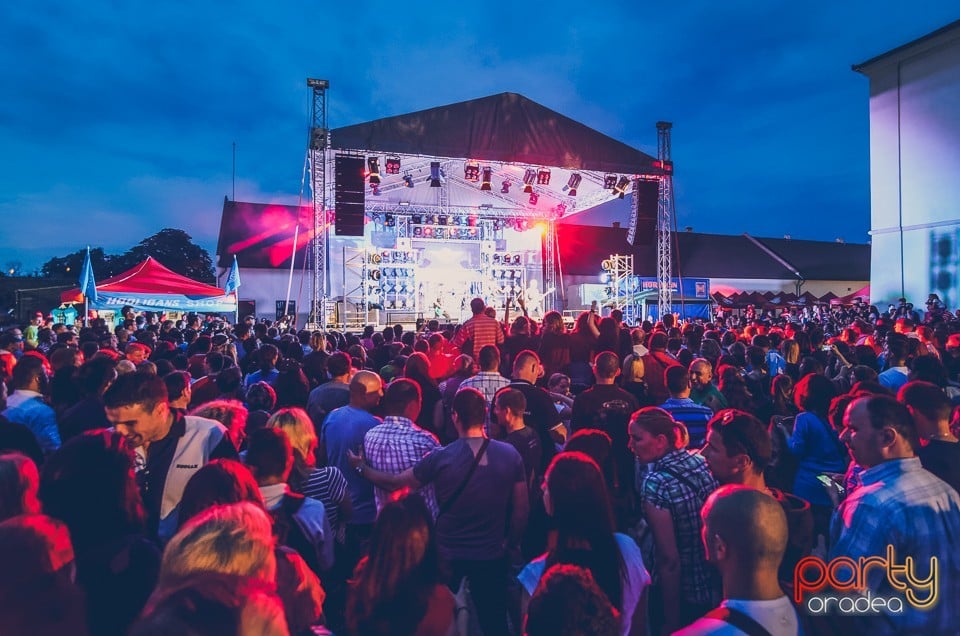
117	119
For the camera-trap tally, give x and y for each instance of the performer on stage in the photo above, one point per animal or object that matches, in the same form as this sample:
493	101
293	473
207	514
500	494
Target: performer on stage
533	299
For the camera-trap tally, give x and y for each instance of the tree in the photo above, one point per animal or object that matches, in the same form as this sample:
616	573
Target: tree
176	250
69	266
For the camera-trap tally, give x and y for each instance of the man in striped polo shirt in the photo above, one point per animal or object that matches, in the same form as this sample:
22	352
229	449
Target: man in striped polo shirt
682	408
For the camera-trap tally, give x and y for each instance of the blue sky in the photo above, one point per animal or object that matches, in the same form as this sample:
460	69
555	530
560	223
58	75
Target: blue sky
117	118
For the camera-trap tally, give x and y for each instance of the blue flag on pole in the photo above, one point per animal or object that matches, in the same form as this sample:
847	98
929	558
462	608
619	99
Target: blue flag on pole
88	286
233	278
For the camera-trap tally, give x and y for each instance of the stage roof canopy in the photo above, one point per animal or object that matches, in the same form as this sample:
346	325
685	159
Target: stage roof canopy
505	128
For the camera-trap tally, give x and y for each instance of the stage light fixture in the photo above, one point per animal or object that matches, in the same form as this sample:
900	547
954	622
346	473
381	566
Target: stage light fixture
441	233
505	187
487	177
472	221
393	165
428	231
376	189
496	225
560	210
471	171
436	175
408	181
610	182
621	189
572	184
389	220
543	176
529	177
534	198
442	219
606	265
430	220
373	167
417	231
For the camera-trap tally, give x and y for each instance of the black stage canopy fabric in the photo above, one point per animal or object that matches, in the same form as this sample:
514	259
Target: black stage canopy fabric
507	128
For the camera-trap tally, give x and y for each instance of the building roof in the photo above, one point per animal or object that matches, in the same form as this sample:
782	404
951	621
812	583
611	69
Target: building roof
507	128
261	236
583	248
953	28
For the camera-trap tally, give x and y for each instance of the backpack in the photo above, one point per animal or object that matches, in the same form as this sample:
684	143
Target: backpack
288	532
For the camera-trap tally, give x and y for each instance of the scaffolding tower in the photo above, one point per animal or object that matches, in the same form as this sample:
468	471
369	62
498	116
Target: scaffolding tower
319	140
618	270
664	221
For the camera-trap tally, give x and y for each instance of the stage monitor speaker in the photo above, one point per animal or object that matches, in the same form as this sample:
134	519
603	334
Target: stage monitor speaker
349	192
643	220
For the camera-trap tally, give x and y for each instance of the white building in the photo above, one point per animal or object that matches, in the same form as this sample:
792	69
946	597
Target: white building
914	169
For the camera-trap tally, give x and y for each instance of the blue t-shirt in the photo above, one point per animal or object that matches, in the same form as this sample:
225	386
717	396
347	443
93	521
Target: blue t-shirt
343	430
474	527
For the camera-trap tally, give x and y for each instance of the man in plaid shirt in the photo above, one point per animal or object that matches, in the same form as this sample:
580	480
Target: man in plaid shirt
398	443
899	504
481	329
489	380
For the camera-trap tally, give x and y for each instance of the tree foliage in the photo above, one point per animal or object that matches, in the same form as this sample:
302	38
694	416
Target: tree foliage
173	248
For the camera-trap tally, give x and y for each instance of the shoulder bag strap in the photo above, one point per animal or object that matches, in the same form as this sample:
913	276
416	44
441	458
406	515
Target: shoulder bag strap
742	621
476	462
681	478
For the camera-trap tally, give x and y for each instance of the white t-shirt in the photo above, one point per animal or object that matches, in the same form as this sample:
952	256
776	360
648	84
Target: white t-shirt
777	616
636	581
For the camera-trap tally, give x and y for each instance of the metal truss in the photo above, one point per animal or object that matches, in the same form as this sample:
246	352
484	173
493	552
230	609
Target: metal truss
664	223
319	139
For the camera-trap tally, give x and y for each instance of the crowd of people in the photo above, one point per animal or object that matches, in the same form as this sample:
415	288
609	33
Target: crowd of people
500	477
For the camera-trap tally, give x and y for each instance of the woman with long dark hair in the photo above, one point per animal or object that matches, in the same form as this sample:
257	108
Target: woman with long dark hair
554	349
583	345
397	589
89	484
417	368
575	496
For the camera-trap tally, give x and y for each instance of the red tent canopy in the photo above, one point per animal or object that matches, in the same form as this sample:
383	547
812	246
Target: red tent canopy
149	277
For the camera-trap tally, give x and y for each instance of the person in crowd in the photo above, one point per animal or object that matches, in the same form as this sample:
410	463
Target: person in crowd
178	389
509	406
261	402
225	481
738	451
291	385
554	345
655	364
569	601
331	394
231	413
300	522
896	373
672	492
234	542
19	481
684	410
267	356
171	446
631	379
702	389
583	346
940	449
587	405
479	330
482	493
541	414
95	377
26	406
398	443
325	484
430	418
816	446
398	588
745	536
576	498
343	431
733	388
488	380
521	336
899	506
89	484
37	594
205	388
558	387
